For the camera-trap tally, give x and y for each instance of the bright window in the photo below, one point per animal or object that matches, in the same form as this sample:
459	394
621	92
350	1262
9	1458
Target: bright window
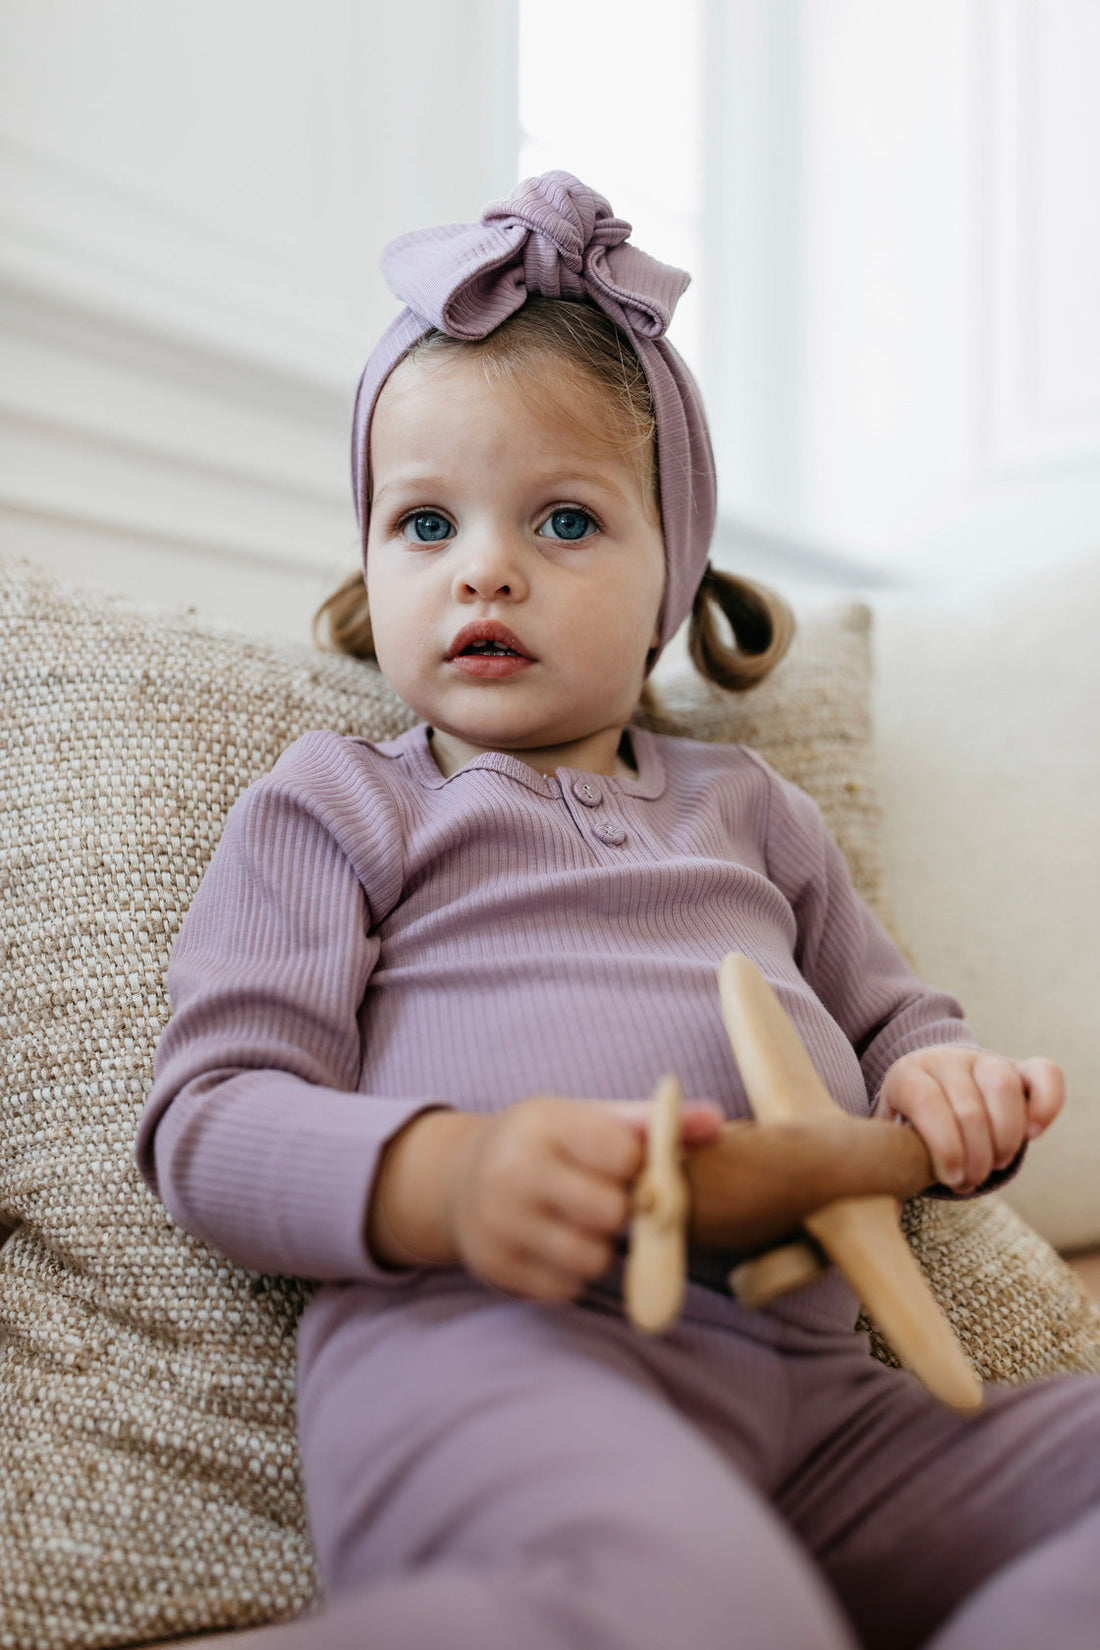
613	94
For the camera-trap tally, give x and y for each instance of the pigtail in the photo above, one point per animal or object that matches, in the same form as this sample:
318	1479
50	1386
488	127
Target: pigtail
342	622
761	622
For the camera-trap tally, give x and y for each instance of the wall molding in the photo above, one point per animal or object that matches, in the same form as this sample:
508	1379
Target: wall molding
121	253
107	421
191	211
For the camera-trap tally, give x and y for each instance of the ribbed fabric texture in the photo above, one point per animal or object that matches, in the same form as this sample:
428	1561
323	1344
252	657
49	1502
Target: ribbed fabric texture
371	939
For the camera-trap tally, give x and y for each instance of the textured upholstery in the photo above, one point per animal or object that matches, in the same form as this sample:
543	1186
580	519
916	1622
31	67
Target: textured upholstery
150	1481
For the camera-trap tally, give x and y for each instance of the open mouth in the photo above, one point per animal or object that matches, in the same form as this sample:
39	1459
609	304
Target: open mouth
489	650
488	639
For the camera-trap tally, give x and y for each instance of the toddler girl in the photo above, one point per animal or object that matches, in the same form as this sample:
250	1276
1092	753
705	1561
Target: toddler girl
427	984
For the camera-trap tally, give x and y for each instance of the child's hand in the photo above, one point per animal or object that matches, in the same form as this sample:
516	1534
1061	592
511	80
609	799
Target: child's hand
542	1188
972	1110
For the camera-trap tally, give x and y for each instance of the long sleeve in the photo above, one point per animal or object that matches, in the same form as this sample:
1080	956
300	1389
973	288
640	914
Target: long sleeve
852	964
844	953
254	1134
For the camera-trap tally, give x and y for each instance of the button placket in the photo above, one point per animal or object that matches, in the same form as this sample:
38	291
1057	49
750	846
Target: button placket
587	793
590	793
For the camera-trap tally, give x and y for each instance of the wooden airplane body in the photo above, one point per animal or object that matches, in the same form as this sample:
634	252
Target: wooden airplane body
860	1234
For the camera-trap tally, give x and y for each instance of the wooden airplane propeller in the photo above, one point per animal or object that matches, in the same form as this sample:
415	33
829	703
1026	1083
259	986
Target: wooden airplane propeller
861	1234
656	1269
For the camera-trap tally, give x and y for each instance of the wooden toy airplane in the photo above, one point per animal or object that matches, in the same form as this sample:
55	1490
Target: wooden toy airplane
806	1162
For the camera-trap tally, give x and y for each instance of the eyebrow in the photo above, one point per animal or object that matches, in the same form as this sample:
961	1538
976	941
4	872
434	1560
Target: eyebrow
427	482
553	480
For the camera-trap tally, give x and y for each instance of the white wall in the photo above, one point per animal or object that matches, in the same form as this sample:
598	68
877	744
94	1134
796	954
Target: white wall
893	208
192	203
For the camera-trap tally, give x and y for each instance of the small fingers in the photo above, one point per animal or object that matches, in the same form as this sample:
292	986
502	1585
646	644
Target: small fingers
548	1262
919	1098
531	1278
1044	1091
569	1249
972	1116
968	1111
1002	1091
562	1257
595	1202
700	1120
598	1142
982	1112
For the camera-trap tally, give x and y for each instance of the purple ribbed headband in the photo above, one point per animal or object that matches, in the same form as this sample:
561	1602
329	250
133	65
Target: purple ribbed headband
556	236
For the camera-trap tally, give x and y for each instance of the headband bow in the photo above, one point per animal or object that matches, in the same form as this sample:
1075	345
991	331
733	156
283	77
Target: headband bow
554	236
557	237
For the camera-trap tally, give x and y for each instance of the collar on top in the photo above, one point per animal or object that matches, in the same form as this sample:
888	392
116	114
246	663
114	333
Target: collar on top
412	748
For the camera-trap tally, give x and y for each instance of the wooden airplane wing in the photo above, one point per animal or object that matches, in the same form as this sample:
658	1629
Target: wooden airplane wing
861	1235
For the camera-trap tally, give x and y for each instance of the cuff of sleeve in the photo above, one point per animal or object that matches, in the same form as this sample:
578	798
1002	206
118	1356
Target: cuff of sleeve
277	1173
994	1182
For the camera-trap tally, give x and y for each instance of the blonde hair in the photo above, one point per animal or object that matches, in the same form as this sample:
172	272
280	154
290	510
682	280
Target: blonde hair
572	346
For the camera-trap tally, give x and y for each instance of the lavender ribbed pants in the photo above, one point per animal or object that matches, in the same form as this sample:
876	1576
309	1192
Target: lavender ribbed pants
489	1474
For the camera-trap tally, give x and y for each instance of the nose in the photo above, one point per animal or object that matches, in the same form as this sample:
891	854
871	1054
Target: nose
490	569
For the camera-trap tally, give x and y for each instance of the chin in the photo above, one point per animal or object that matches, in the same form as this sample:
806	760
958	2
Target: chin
492	721
494	736
500	735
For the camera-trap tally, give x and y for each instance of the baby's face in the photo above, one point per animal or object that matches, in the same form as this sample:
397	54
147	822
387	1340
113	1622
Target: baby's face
485	510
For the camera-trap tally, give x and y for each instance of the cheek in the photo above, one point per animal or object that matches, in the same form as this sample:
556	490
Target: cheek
646	593
621	626
403	617
656	601
643	582
384	602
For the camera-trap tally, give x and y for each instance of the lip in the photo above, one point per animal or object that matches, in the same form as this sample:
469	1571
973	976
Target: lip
488	630
488	665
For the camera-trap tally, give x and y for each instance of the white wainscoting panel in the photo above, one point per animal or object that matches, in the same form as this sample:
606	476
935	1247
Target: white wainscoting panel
192	203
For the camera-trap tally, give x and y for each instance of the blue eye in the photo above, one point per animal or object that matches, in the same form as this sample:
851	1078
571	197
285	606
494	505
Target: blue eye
428	526
568	524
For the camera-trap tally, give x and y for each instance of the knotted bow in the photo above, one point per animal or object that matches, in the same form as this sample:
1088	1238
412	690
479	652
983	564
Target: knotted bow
557	237
554	236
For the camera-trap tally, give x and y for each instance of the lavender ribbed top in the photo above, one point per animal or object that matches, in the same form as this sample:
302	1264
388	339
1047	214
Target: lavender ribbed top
371	939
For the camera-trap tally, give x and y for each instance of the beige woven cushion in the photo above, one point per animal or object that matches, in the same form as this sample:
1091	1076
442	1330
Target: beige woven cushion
149	1484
